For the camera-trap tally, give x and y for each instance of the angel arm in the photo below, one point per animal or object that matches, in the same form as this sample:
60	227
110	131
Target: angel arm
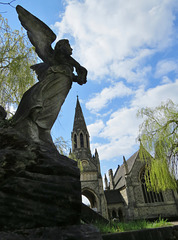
40	35
81	77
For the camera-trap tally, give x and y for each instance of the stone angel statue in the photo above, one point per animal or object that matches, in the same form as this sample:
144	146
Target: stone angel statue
40	105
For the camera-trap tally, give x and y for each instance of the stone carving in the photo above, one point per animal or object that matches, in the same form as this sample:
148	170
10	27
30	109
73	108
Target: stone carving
40	190
41	104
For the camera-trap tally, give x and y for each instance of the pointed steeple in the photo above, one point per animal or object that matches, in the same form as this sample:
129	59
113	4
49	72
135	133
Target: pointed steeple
80	135
79	121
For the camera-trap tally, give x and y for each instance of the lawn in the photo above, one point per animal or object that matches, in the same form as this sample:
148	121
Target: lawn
114	227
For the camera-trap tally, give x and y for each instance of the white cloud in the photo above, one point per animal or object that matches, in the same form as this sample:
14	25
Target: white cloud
121	123
122	129
116	149
120	132
109	32
101	99
154	96
166	80
163	67
95	128
132	69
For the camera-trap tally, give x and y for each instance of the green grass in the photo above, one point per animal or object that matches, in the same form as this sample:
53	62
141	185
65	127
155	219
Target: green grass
114	227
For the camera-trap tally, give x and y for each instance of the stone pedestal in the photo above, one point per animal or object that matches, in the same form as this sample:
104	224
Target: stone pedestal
40	187
40	192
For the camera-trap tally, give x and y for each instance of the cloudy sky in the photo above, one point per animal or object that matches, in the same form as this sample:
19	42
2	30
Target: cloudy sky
130	49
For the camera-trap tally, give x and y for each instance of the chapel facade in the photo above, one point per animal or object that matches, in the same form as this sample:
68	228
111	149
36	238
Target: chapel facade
128	198
125	196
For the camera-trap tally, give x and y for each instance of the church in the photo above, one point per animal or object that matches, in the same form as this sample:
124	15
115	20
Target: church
125	196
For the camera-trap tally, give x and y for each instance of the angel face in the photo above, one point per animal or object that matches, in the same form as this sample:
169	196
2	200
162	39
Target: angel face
68	49
63	46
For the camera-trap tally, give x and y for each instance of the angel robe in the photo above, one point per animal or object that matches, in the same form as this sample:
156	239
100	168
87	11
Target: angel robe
42	102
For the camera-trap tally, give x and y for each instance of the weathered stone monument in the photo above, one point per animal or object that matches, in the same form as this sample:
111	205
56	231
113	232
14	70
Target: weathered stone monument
40	190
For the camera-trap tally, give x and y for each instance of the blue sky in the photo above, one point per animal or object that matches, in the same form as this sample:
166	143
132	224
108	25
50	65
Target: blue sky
130	49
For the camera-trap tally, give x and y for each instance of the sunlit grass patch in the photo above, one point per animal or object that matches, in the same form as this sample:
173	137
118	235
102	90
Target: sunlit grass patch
114	227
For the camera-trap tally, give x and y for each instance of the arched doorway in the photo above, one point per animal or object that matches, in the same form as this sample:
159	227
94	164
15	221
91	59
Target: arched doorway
92	198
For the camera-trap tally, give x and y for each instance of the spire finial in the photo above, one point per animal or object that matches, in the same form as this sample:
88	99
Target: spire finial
125	166
124	160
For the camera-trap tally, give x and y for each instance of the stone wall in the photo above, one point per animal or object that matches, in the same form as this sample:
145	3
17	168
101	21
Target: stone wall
156	210
89	176
90	216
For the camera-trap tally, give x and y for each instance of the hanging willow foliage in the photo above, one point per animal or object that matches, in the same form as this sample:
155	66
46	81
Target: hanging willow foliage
16	57
159	137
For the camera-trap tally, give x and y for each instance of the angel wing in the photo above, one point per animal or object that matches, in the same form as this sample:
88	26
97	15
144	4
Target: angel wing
40	35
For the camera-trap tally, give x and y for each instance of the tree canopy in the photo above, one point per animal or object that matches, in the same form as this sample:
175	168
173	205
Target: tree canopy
16	57
159	136
62	146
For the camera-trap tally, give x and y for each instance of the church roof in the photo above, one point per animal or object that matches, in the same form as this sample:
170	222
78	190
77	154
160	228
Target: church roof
119	176
79	121
113	196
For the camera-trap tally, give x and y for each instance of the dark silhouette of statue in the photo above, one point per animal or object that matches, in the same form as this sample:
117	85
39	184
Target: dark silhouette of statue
40	105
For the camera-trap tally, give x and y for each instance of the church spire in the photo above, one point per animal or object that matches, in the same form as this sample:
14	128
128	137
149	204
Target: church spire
79	121
80	135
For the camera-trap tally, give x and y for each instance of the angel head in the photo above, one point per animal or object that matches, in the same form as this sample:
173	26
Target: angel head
63	46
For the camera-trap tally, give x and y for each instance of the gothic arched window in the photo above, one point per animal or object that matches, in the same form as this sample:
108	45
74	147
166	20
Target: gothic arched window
150	196
75	141
114	214
87	140
81	140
